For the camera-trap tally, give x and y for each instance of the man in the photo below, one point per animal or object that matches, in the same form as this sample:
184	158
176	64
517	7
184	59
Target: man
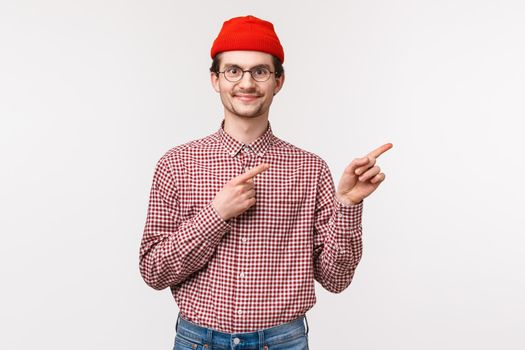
240	223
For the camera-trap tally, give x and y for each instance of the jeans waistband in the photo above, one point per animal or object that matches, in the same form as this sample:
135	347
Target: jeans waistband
261	338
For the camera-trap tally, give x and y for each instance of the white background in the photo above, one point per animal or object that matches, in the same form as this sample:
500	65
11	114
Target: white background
93	93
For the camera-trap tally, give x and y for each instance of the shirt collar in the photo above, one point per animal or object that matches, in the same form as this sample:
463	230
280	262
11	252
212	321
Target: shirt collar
259	146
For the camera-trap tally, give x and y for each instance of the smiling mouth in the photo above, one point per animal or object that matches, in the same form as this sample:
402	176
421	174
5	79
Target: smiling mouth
246	97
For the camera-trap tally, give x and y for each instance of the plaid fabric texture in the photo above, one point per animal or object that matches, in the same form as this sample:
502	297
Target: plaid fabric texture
256	270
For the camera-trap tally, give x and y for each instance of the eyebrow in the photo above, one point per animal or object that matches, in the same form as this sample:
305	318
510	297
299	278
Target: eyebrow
256	66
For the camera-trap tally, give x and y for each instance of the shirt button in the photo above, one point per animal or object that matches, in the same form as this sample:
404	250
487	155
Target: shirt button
241	274
236	341
244	239
239	312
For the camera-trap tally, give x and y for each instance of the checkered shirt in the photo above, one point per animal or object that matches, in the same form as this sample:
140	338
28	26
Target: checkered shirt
256	270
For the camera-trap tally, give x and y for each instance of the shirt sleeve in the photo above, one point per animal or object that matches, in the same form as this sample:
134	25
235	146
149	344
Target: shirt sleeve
338	243
172	249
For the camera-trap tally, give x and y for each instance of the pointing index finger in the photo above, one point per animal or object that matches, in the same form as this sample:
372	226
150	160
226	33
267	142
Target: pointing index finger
380	150
253	171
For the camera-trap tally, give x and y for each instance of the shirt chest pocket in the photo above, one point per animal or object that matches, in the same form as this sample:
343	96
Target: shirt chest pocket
282	199
204	186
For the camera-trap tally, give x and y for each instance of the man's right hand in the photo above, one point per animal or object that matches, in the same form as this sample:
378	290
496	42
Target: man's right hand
238	194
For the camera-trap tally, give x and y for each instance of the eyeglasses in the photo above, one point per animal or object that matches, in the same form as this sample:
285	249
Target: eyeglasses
234	73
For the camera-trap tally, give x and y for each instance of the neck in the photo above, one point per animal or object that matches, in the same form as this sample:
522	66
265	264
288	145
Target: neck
245	130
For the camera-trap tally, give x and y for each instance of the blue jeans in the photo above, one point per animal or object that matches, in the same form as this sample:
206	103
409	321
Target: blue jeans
292	335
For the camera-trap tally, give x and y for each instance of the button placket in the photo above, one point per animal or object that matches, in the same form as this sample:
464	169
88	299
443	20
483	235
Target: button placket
248	160
241	288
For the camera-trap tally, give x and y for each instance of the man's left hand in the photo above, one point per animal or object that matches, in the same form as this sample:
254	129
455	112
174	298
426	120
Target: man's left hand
361	177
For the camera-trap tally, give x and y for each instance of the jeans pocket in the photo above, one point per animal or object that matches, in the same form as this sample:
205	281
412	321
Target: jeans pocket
186	344
299	343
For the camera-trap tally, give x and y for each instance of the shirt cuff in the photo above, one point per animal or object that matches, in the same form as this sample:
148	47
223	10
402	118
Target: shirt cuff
347	205
216	216
208	220
349	216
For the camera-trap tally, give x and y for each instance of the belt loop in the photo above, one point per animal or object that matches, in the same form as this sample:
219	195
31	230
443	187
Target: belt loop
177	323
261	340
306	320
209	337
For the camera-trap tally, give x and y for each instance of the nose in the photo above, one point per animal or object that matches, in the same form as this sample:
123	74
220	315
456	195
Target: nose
246	80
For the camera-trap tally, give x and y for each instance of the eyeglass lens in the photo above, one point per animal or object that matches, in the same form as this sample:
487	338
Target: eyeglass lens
236	73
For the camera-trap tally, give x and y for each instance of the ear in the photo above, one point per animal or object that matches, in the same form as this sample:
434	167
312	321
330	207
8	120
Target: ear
215	82
279	82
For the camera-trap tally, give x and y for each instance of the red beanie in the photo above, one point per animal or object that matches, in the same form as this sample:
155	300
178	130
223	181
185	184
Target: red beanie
248	33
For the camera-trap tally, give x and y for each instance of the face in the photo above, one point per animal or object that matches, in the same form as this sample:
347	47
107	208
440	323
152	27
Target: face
246	98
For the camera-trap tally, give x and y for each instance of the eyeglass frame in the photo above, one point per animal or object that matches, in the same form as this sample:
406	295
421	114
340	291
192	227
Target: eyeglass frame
244	71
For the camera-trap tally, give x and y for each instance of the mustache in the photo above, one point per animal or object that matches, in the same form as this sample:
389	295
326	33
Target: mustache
247	93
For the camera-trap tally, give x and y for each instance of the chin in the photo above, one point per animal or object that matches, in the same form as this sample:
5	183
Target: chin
248	113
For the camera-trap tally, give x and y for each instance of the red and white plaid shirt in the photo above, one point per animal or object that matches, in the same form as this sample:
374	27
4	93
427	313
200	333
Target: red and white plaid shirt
255	270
